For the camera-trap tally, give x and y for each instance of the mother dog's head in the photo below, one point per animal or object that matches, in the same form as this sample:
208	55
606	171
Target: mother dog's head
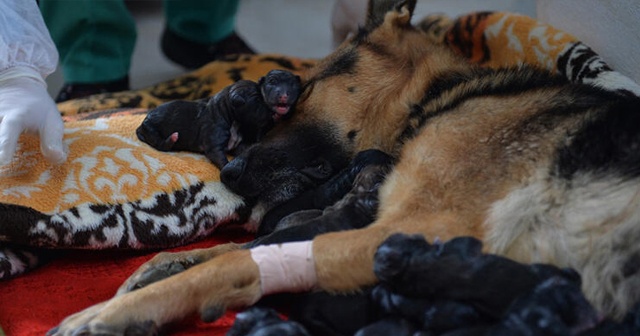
358	97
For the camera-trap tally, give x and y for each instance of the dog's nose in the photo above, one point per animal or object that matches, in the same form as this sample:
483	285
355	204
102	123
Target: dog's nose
232	171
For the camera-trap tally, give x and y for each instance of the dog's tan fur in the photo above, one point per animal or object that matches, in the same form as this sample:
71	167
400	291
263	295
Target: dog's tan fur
481	169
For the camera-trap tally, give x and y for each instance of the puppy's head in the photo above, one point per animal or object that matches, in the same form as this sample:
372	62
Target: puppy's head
280	90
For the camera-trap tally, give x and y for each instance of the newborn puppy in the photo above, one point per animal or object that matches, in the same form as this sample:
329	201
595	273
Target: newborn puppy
433	315
410	266
237	116
258	321
391	326
280	90
356	209
629	326
345	189
556	307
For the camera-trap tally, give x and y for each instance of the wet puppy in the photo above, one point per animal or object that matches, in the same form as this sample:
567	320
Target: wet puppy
259	321
335	195
501	296
410	266
318	211
239	115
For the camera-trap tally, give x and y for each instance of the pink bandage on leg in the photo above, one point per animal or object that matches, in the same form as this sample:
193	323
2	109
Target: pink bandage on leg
285	267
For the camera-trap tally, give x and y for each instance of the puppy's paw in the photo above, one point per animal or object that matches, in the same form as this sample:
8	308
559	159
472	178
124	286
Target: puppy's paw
249	319
370	157
395	254
391	325
264	322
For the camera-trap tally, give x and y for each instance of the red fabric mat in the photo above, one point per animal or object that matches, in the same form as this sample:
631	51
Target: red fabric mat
37	301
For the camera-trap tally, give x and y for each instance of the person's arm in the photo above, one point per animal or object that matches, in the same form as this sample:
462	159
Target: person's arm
27	57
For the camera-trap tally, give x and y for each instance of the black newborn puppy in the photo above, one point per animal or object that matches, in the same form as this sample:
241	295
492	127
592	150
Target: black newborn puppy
280	90
237	116
629	326
333	194
259	321
410	266
355	209
391	326
433	315
556	307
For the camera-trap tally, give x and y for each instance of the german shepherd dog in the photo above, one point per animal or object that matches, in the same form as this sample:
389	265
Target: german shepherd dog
539	169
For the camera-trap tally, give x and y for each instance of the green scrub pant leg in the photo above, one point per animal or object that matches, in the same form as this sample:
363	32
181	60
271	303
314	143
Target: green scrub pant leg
95	38
201	21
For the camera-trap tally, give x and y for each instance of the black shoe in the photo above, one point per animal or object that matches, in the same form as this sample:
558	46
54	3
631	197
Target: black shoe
73	91
192	55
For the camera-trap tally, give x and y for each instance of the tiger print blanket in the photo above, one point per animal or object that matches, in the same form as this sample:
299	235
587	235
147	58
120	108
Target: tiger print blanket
115	192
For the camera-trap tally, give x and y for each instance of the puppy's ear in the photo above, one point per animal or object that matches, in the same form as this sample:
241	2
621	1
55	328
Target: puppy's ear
237	100
298	79
261	80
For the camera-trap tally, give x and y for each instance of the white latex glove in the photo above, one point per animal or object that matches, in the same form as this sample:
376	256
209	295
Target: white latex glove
25	105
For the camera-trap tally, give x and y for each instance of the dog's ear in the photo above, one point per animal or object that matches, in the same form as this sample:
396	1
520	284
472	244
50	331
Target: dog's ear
377	11
261	81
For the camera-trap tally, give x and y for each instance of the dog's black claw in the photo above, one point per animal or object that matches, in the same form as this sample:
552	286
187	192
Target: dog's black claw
83	331
148	328
159	273
52	331
210	314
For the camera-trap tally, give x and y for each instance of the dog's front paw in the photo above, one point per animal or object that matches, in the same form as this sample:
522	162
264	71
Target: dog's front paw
165	265
154	271
90	322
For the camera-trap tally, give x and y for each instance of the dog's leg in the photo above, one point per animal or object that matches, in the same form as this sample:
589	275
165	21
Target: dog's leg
343	261
351	265
166	264
228	281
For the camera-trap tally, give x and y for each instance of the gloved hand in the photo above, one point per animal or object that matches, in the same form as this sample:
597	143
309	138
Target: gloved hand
25	105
